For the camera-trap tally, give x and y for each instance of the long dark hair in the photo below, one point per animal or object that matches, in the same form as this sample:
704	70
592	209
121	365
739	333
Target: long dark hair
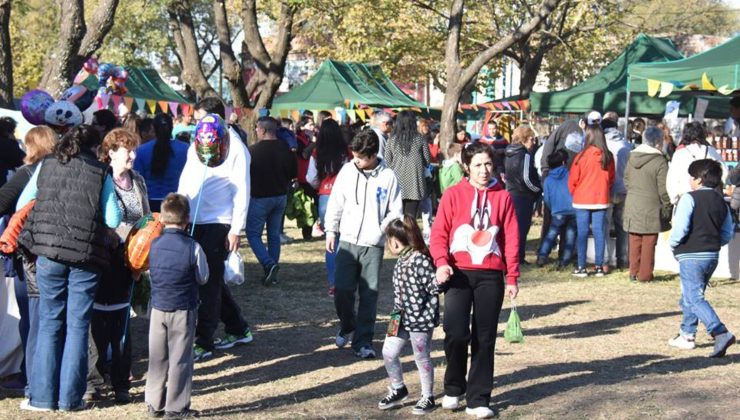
331	150
595	137
77	139
162	147
405	131
408	233
694	132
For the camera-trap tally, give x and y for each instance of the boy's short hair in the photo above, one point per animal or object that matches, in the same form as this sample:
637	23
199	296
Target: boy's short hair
365	143
453	149
708	171
175	210
212	105
557	158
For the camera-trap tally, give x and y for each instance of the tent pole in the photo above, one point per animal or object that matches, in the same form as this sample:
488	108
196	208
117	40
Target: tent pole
627	108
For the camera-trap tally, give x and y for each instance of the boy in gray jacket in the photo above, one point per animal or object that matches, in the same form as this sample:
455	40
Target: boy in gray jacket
365	198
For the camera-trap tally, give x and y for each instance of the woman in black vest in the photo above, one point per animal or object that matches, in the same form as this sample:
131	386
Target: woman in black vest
68	231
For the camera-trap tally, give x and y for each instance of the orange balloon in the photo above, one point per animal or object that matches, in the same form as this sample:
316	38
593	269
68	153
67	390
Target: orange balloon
139	241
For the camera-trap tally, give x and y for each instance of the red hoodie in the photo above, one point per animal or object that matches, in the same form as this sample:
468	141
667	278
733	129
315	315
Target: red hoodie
588	182
473	227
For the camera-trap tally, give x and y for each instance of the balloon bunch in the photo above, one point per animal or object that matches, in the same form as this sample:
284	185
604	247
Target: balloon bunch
112	79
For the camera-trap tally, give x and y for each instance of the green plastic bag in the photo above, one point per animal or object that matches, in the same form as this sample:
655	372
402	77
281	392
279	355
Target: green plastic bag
513	333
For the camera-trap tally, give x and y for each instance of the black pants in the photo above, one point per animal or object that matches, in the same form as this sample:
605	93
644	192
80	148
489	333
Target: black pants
484	290
411	208
108	330
216	302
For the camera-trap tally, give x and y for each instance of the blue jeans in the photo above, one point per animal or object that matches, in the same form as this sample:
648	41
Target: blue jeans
595	219
523	207
695	275
60	361
269	211
560	224
32	338
21	298
329	257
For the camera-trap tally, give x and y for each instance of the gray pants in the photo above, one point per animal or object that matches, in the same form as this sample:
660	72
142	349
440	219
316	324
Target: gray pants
357	270
421	343
169	380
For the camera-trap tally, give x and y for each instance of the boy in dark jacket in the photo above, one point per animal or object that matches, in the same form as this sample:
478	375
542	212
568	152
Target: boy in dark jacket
701	226
560	202
178	266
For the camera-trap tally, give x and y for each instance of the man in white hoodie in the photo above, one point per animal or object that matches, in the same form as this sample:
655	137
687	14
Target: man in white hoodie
365	198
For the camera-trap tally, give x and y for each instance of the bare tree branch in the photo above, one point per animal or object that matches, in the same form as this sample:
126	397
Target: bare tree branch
6	57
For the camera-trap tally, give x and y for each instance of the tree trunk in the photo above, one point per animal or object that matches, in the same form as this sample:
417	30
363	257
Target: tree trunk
232	70
529	71
458	76
6	58
183	32
76	44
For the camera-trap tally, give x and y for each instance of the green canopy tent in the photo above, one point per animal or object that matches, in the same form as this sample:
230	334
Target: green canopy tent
606	91
715	70
345	84
144	83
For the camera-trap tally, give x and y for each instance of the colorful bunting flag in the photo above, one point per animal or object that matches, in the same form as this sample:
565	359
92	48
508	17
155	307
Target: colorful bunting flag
116	102
665	89
506	104
264	112
706	84
369	112
140	104
152	105
173	108
352	115
725	89
361	114
186	109
163	105
284	113
129	101
653	87
514	104
295	115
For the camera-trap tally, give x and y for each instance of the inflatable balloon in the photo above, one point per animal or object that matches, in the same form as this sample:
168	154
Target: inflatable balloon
139	241
91	65
211	140
78	95
63	114
34	105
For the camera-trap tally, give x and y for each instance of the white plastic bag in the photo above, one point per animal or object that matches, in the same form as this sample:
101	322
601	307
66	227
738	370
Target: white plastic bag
234	269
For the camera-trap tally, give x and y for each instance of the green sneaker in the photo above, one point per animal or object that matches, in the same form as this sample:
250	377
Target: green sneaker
231	340
200	354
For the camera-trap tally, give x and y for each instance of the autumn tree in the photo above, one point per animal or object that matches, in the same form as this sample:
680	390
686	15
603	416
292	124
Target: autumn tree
459	73
6	57
76	42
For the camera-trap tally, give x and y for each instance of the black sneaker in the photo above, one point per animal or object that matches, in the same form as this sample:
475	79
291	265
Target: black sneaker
423	406
541	261
580	272
598	271
186	413
123	397
721	343
395	398
271	272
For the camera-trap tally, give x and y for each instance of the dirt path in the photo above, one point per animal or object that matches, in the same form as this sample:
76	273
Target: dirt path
595	348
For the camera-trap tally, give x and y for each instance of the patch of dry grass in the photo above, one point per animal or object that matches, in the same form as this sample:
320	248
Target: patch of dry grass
595	348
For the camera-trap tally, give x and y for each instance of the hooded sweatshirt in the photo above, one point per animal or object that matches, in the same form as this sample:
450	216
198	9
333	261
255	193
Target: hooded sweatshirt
556	141
477	230
521	175
362	203
620	149
557	197
588	182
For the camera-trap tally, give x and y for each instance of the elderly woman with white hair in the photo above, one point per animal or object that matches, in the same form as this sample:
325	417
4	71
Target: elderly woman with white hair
647	209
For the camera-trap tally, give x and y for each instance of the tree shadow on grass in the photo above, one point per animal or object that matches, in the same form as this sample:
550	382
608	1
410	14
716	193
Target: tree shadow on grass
596	373
596	328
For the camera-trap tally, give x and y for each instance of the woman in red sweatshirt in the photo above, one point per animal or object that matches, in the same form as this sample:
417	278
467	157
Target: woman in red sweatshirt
475	246
591	177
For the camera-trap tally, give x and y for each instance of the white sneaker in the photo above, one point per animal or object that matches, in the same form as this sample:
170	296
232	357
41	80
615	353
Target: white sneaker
343	340
480	412
26	405
682	342
450	402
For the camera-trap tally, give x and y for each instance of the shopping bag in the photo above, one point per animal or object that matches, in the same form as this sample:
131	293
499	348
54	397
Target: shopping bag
234	269
513	333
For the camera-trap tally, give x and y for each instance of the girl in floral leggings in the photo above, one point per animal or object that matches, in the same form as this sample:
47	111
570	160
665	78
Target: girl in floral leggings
415	314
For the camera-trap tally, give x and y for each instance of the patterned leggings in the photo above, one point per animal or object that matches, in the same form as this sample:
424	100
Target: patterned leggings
421	343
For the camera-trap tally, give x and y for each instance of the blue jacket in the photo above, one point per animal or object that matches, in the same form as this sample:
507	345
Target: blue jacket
175	264
557	197
158	188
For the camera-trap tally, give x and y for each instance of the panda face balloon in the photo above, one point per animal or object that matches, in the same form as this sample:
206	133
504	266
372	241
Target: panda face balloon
63	114
211	140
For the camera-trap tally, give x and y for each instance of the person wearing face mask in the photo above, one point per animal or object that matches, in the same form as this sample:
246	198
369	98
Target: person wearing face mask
522	180
477	261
